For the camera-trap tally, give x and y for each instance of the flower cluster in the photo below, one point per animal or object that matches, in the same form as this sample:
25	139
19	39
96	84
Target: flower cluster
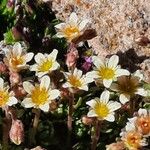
137	130
42	81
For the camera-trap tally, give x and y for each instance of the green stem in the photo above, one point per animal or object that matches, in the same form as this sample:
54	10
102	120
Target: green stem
79	102
96	134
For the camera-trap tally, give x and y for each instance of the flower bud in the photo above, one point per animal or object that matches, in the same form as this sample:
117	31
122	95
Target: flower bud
16	132
19	91
53	106
38	148
3	68
87	120
14	78
71	57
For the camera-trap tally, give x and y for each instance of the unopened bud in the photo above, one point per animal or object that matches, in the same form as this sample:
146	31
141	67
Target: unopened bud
38	148
72	56
3	68
19	91
14	78
87	120
53	106
16	132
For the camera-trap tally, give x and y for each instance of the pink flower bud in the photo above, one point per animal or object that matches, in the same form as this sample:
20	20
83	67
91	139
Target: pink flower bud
19	91
16	132
38	148
3	68
71	57
14	78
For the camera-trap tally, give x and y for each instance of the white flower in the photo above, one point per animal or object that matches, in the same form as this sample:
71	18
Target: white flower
107	71
45	63
71	29
6	97
143	122
76	80
128	86
40	95
16	58
133	140
102	108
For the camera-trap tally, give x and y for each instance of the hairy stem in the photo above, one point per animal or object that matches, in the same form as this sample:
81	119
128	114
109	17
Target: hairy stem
69	122
96	134
132	106
6	128
37	113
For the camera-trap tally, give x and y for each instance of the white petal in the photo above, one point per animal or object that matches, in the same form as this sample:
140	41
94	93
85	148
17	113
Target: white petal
28	87
142	112
53	54
110	117
124	98
60	26
121	72
83	24
91	103
105	96
12	101
1	83
97	61
45	107
53	94
113	61
17	49
55	66
92	113
92	75
139	75
113	106
39	57
41	74
141	91
114	87
73	19
34	67
29	56
77	73
45	82
130	126
66	85
88	80
107	83
84	87
60	35
27	103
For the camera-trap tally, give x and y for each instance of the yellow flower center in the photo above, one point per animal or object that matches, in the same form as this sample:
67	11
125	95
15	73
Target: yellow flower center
74	81
4	96
133	139
45	66
70	31
106	73
39	95
15	61
101	110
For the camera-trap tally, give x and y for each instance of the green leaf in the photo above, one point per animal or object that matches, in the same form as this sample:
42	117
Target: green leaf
8	37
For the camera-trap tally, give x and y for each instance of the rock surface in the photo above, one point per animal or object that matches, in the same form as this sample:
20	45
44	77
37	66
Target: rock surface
123	27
